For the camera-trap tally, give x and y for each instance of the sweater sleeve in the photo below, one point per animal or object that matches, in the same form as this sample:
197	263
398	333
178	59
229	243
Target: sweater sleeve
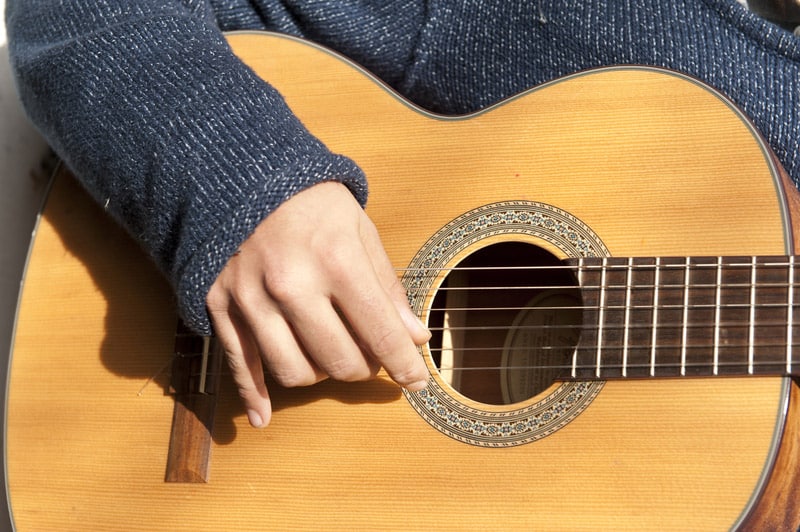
182	143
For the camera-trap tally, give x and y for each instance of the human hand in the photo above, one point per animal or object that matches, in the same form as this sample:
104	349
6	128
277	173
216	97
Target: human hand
312	294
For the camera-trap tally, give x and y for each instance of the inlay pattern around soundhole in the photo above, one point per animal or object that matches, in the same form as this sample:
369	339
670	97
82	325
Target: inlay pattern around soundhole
521	414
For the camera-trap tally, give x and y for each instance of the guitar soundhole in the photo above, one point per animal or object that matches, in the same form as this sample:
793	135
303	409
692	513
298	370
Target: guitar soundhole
505	322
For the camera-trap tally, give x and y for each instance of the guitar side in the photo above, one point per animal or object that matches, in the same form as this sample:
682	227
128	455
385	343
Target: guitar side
778	507
88	417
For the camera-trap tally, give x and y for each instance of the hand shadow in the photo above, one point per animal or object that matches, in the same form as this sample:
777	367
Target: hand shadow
140	319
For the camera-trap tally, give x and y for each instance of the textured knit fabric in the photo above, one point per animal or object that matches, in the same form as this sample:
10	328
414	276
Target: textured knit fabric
190	151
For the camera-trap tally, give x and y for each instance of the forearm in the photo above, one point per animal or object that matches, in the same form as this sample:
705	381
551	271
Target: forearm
165	127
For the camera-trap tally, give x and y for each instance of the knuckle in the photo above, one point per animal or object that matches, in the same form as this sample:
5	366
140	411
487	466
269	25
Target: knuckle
408	374
246	391
216	300
348	370
338	263
246	387
248	296
294	378
285	288
239	370
235	362
397	290
387	343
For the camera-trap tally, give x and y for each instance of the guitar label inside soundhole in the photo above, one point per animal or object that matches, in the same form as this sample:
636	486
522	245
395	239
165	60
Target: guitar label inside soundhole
539	344
505	321
505	313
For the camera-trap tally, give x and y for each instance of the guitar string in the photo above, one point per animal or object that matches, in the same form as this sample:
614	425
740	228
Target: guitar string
614	366
645	307
711	265
161	371
777	368
617	326
561	347
744	268
605	347
615	372
607	266
590	349
610	347
638	286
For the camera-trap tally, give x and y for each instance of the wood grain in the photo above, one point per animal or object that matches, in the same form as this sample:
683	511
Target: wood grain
779	507
195	386
654	163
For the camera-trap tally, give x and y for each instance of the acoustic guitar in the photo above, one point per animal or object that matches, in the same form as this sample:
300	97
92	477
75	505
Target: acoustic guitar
606	263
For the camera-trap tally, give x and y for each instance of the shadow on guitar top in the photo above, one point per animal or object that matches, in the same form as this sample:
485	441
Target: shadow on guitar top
139	321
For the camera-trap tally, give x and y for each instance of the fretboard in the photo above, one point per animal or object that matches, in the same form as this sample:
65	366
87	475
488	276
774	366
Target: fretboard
696	316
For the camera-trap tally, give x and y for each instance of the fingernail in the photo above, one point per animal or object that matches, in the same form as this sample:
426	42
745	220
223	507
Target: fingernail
255	419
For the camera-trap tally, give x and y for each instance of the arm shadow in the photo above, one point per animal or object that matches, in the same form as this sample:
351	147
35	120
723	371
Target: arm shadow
140	320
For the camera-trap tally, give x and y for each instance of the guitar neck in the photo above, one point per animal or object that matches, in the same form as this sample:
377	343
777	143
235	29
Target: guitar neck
687	316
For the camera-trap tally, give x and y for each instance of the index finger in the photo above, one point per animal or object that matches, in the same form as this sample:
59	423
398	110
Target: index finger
387	277
374	318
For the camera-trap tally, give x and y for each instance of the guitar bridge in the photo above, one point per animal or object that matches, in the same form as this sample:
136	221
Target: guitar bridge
194	384
195	366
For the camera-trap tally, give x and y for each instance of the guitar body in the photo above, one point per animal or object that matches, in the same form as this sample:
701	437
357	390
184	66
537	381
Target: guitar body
650	163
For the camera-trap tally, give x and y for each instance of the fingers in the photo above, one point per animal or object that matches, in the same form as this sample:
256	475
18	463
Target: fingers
376	307
244	362
329	343
387	277
280	351
313	294
384	336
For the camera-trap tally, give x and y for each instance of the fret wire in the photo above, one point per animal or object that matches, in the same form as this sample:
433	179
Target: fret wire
752	329
600	313
626	332
790	316
575	354
654	331
685	324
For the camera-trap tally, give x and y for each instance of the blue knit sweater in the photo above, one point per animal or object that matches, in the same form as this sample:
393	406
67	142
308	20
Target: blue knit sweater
190	151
